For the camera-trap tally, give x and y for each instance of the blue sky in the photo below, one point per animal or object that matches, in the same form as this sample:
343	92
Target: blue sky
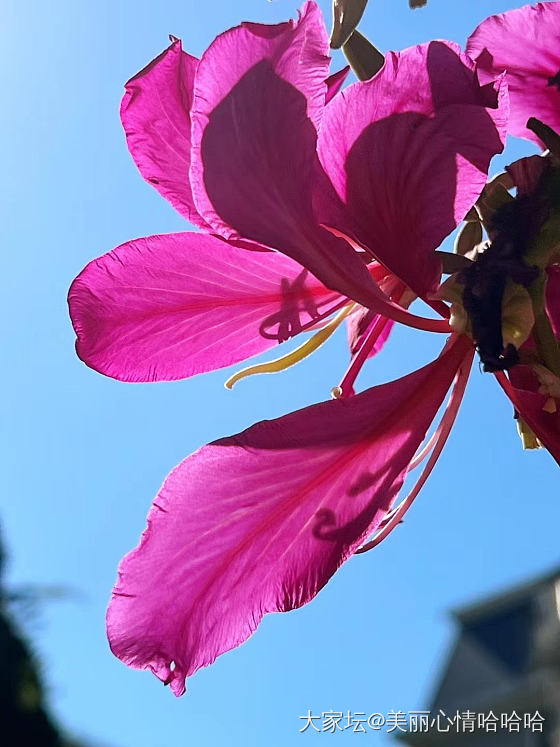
84	455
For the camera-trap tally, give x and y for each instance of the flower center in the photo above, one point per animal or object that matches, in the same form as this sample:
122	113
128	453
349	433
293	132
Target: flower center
494	284
499	298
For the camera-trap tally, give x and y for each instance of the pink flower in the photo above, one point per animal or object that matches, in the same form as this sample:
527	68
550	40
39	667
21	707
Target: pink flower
259	522
355	194
234	143
526	43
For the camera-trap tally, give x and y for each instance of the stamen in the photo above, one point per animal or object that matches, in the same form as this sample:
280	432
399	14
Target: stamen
423	452
347	384
286	361
404	298
395	516
439	307
391	310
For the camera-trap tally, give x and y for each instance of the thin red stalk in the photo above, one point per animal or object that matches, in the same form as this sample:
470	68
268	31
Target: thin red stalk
360	357
425	450
447	421
440	308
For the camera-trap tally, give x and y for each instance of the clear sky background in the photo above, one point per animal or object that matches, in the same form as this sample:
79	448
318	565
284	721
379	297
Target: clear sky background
83	455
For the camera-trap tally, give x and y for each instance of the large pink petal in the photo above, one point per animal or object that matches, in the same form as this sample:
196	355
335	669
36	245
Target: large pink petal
259	97
167	307
408	153
259	522
526	43
155	113
335	82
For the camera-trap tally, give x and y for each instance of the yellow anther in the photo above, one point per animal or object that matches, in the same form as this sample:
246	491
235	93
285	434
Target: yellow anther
295	356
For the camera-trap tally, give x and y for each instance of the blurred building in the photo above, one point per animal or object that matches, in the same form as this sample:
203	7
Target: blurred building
501	682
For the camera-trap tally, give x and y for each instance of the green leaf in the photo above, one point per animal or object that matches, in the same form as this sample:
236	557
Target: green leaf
346	16
365	59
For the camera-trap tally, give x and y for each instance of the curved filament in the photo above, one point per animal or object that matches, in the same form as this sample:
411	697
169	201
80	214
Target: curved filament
346	386
425	450
395	516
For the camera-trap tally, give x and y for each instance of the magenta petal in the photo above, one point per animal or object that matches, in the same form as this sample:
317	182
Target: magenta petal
335	82
155	113
408	153
259	97
168	307
259	522
526	43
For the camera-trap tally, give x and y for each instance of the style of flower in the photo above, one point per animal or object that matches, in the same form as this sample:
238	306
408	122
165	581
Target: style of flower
355	195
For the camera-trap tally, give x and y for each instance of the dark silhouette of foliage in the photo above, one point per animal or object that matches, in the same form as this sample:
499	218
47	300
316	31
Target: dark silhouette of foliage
24	715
